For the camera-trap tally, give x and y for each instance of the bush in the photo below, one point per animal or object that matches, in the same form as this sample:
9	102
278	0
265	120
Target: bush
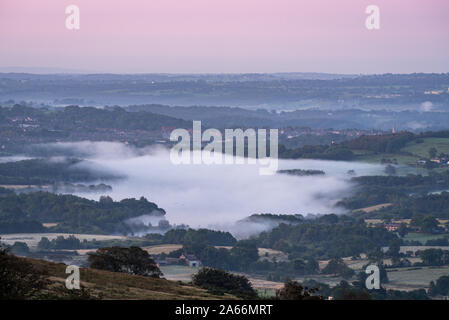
220	282
293	290
18	279
132	260
338	267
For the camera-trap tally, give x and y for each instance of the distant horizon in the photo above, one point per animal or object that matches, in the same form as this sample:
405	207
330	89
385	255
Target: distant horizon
56	71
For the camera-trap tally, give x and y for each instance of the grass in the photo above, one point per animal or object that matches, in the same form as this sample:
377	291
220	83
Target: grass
422	237
163	248
414	278
32	239
409	154
377	158
374	208
422	149
113	285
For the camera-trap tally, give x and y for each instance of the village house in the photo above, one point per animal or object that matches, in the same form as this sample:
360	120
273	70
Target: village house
391	227
190	260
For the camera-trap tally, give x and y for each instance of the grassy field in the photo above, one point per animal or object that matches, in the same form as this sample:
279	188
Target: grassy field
409	154
377	158
414	278
422	149
113	285
374	208
163	248
32	239
422	237
185	273
410	278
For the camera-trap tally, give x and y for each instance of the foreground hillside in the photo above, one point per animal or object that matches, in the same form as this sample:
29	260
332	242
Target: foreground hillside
99	284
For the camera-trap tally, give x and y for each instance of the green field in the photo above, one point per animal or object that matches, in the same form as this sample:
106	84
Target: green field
414	278
400	158
409	154
422	149
422	237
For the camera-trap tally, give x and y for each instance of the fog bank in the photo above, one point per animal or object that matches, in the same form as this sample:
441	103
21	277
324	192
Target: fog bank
218	195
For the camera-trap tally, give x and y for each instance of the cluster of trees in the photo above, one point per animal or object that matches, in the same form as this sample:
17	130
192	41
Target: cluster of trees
336	266
26	213
293	290
219	282
90	118
324	152
408	194
301	172
240	257
423	209
44	171
434	257
71	242
133	260
382	143
191	237
440	287
389	143
18	278
283	270
326	237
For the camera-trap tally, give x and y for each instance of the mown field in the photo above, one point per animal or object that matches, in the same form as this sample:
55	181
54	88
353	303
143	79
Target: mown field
32	239
422	237
414	278
422	149
409	154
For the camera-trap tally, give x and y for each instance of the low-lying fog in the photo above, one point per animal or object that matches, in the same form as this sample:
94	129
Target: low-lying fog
218	195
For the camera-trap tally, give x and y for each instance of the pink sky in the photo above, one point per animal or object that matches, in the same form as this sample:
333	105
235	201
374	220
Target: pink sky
227	36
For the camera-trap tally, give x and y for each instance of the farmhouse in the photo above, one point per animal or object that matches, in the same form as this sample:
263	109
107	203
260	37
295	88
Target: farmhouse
190	260
392	226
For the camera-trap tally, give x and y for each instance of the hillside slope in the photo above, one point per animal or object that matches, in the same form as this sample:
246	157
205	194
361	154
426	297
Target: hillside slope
99	284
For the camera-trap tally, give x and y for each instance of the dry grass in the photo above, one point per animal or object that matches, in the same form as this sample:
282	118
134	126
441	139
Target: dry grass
414	278
163	248
32	239
270	254
374	208
112	285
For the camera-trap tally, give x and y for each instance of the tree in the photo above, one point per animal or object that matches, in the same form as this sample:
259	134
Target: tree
19	248
245	251
299	266
18	278
338	267
293	290
219	282
433	152
402	230
44	244
394	248
312	266
427	223
441	287
131	260
434	257
390	170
